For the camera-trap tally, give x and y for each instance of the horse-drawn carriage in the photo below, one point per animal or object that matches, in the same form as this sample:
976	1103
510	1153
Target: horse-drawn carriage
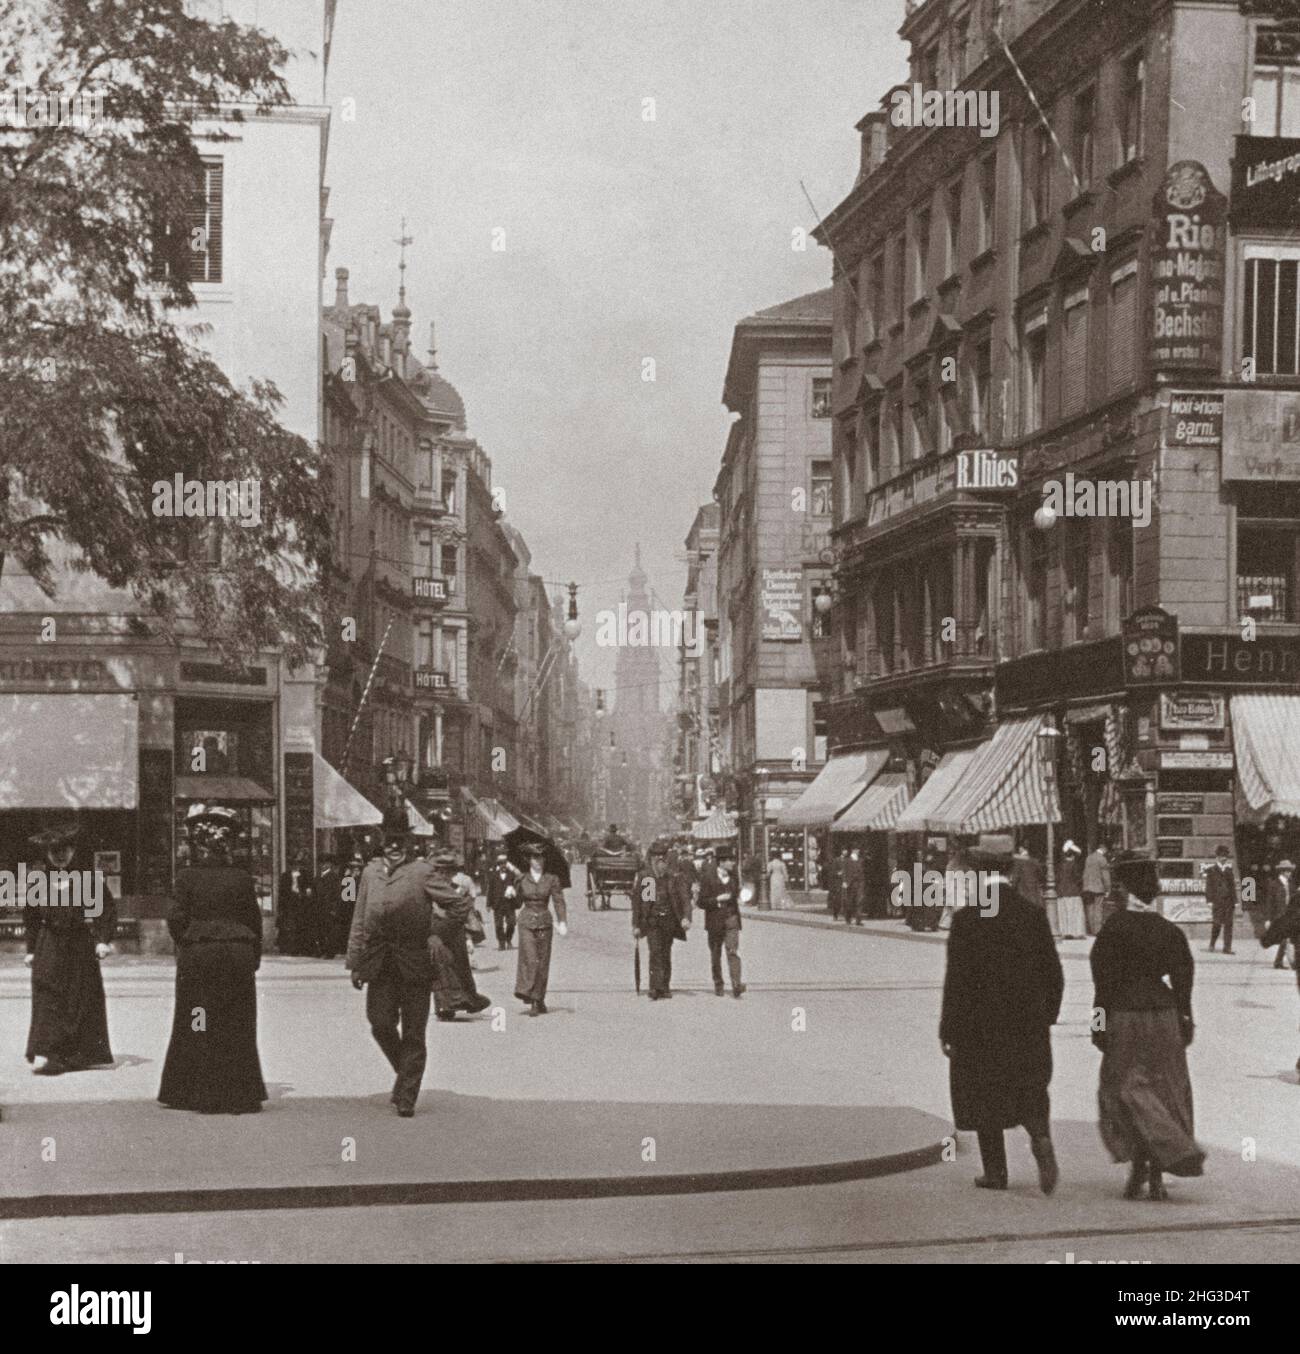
610	872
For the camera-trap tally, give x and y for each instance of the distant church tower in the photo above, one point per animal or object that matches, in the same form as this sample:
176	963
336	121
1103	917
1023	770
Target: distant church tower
639	724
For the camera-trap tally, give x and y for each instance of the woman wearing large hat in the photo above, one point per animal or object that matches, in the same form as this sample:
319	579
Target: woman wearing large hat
212	1064
67	935
1143	1025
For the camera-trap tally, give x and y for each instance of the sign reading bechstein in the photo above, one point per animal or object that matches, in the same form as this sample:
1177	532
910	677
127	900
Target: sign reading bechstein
1186	250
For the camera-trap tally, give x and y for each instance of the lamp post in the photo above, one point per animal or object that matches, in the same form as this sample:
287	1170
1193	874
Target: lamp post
1047	737
760	792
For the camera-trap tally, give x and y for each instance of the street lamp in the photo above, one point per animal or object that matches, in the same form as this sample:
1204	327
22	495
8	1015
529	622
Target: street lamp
573	626
1047	737
760	783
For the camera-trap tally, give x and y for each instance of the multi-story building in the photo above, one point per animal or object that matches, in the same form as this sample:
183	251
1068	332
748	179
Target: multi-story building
774	498
170	726
1066	474
698	759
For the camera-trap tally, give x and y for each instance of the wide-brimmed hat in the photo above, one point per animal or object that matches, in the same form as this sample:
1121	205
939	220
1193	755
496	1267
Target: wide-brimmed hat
1137	873
61	830
1284	865
445	859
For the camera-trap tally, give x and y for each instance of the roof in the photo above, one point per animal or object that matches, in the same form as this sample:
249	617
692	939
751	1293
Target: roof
815	306
803	319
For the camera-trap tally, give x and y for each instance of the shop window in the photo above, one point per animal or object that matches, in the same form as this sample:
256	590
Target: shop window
1271	310
1275	83
1132	107
821	397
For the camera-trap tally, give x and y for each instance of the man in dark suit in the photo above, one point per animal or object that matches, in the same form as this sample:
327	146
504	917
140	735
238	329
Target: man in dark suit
332	938
835	882
1221	892
295	929
661	911
1001	996
853	888
1279	892
719	900
503	899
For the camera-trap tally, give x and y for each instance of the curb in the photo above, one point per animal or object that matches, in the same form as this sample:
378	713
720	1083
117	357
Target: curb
818	923
254	1198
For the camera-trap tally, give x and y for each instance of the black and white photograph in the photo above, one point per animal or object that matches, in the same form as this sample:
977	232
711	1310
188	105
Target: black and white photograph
651	632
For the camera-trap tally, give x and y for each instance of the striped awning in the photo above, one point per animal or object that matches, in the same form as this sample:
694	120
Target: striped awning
1003	786
717	827
878	808
929	798
838	784
1266	737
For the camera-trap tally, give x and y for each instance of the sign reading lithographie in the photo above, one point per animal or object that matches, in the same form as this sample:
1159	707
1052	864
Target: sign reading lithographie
154	822
55	672
1150	648
1194	420
1229	660
1265	182
1190	710
1261	435
1186	251
299	806
783	604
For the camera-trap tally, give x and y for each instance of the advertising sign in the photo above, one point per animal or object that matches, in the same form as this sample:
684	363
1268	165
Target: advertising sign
1186	245
1261	435
1190	710
1265	182
1151	648
782	603
1194	420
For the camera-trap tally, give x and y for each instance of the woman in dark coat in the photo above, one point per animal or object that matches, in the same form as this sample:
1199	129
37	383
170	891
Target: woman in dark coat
212	1064
69	1028
1143	1026
1001	996
1284	928
453	979
538	890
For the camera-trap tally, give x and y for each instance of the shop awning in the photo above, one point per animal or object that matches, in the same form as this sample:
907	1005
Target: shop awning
76	750
222	789
929	798
495	820
1003	786
717	827
337	803
1266	736
417	822
838	784
878	808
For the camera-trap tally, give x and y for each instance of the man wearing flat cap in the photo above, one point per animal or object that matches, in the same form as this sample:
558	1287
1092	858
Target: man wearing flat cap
388	953
1001	996
661	912
67	935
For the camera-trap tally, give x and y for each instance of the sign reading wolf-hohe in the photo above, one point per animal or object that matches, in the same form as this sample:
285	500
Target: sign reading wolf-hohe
1186	245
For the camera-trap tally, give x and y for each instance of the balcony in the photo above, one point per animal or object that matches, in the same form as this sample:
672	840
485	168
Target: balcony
427	503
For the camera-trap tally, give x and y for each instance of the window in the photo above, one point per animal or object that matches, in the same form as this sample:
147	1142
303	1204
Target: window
900	269
1083	133
871	450
898	448
960	48
954	225
882	602
1034	368
1033	580
1038	174
821	397
197	257
820	498
1077	565
1271	316
1121	347
424	553
982	387
426	654
1119	568
1074	354
1268	552
921	254
927	66
447	655
846	305
449	561
1132	107
922	419
449	490
1275	86
876	297
988	189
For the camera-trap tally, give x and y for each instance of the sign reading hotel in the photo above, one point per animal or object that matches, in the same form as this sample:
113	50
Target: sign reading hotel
1265	182
1186	246
430	679
783	604
1151	648
988	469
429	590
1261	435
1194	420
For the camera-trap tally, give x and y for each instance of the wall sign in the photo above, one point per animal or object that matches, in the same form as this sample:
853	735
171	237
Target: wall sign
1229	660
988	469
1261	435
1186	243
1150	647
1265	182
1191	710
782	603
62	671
1194	419
299	808
1196	761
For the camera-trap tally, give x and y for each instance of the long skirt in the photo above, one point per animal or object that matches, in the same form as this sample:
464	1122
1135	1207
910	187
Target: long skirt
453	979
212	1064
69	1014
534	964
1070	914
1145	1097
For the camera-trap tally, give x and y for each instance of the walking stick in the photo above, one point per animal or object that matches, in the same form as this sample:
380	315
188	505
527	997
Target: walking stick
636	967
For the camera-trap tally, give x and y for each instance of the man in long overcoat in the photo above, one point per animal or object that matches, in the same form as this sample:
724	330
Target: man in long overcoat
719	900
1001	996
503	899
661	912
1221	893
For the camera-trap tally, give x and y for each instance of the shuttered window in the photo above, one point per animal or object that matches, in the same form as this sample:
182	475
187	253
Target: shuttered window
1122	339
199	255
1074	355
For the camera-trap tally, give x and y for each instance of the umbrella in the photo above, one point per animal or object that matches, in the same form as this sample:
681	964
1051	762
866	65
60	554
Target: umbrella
517	844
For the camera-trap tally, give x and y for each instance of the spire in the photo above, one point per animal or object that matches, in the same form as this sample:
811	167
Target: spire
401	313
433	348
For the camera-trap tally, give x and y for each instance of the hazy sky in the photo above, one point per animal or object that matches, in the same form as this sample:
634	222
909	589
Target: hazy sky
624	238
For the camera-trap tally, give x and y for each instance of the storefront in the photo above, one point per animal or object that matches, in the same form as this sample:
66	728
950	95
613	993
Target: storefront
801	834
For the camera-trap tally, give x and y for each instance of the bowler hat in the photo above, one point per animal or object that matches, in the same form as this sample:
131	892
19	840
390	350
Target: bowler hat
445	859
1137	873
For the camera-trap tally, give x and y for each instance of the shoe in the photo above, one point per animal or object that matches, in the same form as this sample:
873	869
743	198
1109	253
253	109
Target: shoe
405	1112
667	996
1048	1171
53	1067
1137	1174
537	1008
990	1182
479	1003
527	1001
720	991
446	1015
1229	952
1156	1190
738	991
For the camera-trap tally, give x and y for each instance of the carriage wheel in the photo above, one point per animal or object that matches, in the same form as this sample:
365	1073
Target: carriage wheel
591	893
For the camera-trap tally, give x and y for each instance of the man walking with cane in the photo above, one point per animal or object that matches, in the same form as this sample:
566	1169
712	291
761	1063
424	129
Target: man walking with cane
661	912
719	900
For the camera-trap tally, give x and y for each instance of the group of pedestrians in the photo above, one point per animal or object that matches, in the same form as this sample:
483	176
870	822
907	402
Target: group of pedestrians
846	885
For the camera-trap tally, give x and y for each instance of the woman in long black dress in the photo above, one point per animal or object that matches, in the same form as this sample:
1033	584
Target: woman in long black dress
65	942
212	1064
1145	1096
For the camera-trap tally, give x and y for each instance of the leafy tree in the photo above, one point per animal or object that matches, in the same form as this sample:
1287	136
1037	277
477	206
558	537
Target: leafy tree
104	388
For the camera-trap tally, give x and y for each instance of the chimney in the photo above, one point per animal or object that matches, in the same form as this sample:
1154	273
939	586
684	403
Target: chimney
341	288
